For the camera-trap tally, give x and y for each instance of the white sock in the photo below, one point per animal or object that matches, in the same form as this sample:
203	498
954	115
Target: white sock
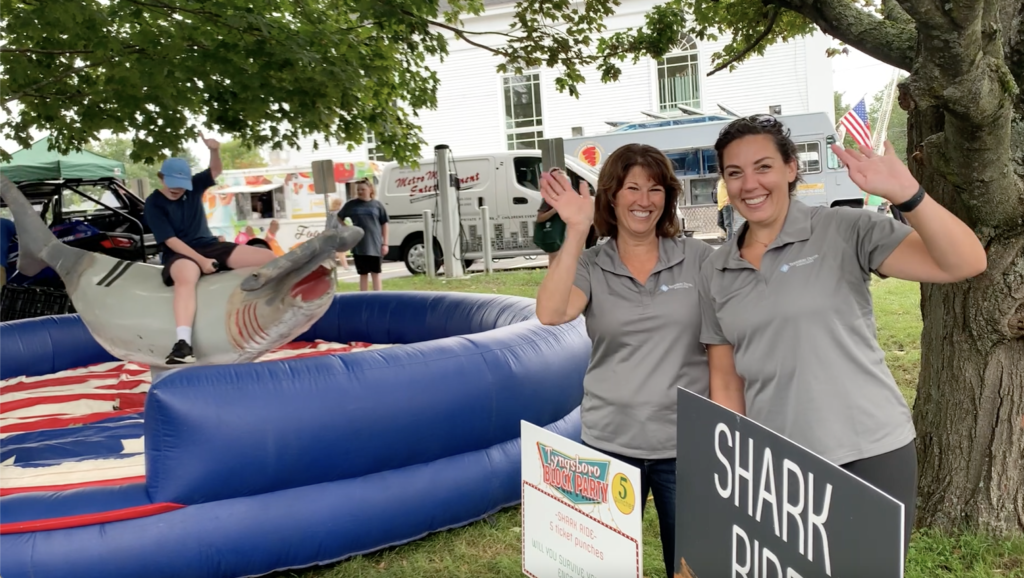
186	334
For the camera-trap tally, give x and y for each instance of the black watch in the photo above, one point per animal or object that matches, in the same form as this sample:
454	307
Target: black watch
911	203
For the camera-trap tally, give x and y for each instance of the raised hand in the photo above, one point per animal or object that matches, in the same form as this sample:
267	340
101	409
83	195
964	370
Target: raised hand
210	143
575	209
882	175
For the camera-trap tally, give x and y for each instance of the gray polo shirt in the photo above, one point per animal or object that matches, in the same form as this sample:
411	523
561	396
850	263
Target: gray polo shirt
803	331
646	343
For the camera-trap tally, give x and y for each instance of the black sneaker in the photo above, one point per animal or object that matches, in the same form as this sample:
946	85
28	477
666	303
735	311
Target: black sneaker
181	353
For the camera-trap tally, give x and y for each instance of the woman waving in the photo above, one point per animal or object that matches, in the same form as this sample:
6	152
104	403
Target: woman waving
638	292
787	311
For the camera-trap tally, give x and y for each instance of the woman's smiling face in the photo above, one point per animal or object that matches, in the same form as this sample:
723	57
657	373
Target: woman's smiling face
757	178
639	203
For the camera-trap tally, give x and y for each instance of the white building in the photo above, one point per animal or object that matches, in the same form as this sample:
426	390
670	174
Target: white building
480	110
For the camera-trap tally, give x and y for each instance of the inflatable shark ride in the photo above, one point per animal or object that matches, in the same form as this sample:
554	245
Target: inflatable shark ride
240	314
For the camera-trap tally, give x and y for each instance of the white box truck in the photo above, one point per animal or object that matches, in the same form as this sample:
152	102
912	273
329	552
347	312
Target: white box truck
507	183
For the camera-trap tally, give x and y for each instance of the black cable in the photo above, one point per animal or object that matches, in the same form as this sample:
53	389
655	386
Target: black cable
452	171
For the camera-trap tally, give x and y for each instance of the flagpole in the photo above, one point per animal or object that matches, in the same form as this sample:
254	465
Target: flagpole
867	196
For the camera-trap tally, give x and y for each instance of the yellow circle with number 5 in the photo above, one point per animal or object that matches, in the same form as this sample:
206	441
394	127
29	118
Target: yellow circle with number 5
623	494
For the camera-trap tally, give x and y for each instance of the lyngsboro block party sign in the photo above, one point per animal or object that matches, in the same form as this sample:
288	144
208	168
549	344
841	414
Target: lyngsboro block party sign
581	513
752	504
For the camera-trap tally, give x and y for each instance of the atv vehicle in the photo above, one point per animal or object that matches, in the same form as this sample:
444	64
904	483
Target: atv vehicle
98	215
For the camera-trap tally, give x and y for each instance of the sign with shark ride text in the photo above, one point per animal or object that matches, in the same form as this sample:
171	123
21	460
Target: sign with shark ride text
752	504
581	512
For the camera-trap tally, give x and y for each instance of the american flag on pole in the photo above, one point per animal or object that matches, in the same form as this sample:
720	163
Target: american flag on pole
856	122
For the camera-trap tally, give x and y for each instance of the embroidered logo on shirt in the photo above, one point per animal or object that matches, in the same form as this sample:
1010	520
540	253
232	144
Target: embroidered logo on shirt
684	285
807	261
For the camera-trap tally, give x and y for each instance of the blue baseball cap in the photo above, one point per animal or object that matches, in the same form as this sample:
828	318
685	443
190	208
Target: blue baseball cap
177	174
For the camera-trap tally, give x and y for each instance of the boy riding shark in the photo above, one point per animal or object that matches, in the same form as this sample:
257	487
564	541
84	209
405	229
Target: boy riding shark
176	215
253	304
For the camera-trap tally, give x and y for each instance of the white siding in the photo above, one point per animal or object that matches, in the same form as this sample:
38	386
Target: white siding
819	79
777	78
470	116
617	101
305	154
470	113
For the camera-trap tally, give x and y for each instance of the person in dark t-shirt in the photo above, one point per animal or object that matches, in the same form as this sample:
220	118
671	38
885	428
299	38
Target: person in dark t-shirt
367	213
176	216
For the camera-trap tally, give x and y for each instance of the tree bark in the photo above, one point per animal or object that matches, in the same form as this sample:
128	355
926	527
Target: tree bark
965	145
969	410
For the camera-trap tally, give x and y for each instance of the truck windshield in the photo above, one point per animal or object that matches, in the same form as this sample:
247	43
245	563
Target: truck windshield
528	171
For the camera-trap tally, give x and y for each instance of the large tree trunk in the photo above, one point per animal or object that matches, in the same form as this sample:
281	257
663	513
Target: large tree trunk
969	410
966	147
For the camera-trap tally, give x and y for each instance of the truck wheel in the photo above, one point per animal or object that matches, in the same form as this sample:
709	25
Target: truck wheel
415	256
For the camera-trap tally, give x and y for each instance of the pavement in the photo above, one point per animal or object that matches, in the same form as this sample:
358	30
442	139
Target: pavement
396	269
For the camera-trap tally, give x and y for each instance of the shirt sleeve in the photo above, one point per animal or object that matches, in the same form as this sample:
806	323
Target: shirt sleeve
706	251
202	181
383	213
872	235
582	281
710	329
158	222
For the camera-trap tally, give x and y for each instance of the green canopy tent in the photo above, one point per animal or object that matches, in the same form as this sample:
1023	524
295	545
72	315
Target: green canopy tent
39	163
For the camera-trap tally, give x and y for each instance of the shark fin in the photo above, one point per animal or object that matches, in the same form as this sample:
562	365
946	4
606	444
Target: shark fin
34	237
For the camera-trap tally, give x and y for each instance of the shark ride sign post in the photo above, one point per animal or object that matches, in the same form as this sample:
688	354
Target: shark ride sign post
581	511
752	504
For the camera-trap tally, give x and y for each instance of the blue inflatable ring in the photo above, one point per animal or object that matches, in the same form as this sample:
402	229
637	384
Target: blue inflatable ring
267	466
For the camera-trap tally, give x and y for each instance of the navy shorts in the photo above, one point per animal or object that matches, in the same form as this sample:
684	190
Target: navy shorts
219	252
366	264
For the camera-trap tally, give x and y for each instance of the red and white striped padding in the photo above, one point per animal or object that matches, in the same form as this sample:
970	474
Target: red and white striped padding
89	394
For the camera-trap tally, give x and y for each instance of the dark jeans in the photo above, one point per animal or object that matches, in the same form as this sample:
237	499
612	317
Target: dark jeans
659	478
727	219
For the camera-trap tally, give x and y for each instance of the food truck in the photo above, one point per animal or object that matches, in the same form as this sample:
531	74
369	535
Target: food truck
689	143
261	196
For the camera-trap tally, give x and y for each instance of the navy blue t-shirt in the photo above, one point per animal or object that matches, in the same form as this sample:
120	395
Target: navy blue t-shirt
370	216
184	218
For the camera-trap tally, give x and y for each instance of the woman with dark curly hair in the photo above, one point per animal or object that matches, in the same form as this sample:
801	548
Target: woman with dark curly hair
638	294
787	313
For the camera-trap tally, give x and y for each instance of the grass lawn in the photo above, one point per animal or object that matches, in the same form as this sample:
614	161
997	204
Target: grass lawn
493	547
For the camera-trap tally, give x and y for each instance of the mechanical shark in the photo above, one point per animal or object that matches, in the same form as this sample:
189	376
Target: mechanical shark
240	314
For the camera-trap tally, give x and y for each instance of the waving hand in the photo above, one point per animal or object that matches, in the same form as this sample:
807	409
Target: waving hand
575	209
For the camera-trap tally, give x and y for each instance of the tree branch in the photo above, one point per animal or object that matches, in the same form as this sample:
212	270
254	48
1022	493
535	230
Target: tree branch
773	16
43	51
1013	36
893	12
891	42
939	15
170	8
965	75
458	32
480	32
32	89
